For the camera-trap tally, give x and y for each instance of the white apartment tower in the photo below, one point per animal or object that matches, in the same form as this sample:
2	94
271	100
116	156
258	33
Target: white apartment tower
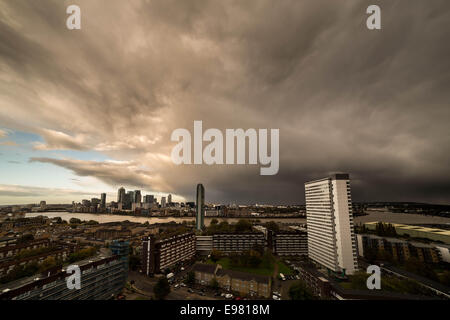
329	218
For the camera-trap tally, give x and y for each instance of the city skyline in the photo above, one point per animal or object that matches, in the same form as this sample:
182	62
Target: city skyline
83	112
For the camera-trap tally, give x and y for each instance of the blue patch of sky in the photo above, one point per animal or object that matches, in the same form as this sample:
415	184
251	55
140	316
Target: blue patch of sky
15	167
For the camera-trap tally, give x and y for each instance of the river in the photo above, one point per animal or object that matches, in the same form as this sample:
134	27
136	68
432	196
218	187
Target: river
103	218
377	216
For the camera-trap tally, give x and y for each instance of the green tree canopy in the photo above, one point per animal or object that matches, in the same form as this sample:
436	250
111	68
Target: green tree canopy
216	255
190	278
161	289
299	291
74	221
243	226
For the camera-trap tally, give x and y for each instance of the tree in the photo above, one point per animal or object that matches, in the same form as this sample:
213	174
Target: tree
258	248
48	263
234	259
135	261
190	278
82	254
299	291
25	238
243	226
214	221
254	259
273	226
74	221
162	288
214	284
216	255
385	229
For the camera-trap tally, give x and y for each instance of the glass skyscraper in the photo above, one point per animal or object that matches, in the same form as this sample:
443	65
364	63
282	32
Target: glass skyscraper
200	210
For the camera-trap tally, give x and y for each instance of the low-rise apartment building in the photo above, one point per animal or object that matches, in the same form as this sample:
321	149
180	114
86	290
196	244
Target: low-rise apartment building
12	250
289	242
159	254
246	284
238	242
318	284
58	253
401	250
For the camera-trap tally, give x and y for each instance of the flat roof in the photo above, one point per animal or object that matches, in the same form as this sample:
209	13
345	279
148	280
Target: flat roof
334	176
27	280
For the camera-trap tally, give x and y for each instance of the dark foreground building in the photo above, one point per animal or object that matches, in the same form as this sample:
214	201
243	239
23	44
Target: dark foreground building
102	278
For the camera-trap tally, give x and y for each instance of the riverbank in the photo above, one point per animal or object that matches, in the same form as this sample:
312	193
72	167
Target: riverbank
379	216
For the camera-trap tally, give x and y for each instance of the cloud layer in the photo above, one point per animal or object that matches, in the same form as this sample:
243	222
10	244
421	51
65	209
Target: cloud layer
372	103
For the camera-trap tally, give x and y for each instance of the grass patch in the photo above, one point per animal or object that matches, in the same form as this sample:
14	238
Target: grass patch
284	269
265	268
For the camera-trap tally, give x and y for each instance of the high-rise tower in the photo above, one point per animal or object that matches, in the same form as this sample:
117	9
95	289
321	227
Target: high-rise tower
103	200
121	195
331	237
200	209
137	196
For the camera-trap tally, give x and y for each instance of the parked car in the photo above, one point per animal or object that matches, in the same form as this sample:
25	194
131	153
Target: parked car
229	296
274	297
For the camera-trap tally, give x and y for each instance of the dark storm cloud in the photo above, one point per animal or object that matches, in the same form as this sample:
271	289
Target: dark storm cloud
372	103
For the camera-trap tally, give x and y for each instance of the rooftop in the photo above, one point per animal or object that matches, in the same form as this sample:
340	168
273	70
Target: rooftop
243	275
335	176
28	280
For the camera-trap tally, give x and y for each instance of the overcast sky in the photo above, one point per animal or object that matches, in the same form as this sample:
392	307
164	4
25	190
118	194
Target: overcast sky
90	110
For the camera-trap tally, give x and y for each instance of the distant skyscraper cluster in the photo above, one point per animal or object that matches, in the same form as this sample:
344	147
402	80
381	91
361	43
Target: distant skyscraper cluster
133	200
